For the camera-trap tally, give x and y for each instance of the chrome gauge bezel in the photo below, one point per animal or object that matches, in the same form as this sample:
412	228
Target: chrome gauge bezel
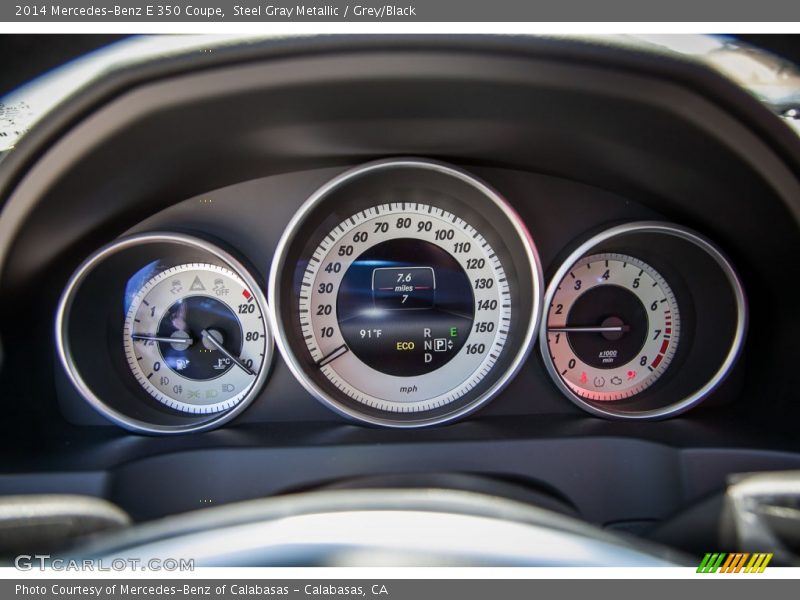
596	244
280	313
64	346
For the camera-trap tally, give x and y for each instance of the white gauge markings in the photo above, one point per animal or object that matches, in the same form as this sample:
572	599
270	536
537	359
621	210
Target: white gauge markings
612	330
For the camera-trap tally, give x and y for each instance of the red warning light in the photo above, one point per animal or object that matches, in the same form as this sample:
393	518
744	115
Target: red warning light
584	377
631	375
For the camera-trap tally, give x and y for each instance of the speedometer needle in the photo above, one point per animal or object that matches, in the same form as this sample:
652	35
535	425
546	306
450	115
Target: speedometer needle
215	342
610	329
343	349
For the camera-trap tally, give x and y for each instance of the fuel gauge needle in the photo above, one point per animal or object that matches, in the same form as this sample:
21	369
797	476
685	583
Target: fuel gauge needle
166	340
215	342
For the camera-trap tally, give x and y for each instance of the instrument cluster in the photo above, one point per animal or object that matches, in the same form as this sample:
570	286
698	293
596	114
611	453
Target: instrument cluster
402	293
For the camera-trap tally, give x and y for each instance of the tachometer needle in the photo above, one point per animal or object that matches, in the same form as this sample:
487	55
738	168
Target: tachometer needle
610	329
333	355
215	342
166	340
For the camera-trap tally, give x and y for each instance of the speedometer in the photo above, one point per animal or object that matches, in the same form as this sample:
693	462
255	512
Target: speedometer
406	307
415	297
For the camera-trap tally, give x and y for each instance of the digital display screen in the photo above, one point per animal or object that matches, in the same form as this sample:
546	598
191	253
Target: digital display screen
403	287
405	307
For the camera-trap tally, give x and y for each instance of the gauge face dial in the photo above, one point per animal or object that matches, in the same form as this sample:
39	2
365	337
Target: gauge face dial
612	328
195	338
404	307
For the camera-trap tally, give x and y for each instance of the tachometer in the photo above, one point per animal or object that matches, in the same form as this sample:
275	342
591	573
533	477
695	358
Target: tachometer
415	296
643	321
612	327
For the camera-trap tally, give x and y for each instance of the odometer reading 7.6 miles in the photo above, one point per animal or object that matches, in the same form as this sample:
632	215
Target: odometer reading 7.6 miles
404	307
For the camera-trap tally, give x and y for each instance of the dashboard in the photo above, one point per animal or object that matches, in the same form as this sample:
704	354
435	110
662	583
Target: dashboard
563	267
401	293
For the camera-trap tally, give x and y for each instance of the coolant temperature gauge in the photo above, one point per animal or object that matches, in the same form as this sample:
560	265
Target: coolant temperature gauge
195	338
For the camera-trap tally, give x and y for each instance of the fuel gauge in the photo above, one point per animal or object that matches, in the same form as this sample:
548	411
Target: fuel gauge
195	338
163	333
